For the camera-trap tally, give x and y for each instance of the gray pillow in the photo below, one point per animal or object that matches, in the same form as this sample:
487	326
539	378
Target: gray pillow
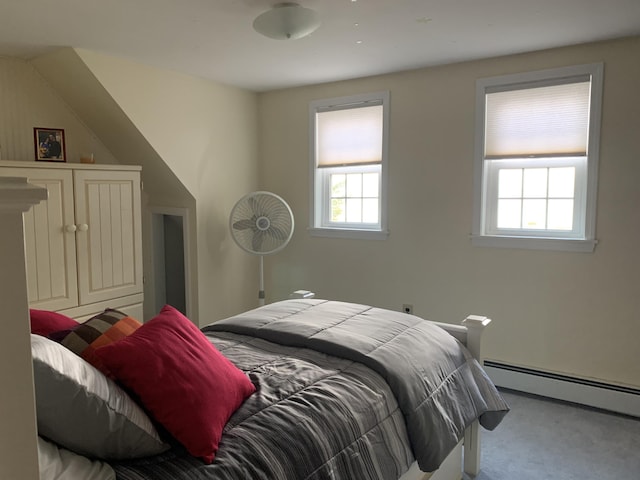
82	410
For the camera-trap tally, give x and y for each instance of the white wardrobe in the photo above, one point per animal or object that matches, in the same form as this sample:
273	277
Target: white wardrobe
84	244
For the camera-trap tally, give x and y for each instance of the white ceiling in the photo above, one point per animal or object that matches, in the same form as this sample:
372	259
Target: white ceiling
214	38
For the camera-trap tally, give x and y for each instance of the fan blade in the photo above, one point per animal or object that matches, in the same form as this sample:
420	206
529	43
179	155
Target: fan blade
244	224
257	240
255	208
277	233
281	213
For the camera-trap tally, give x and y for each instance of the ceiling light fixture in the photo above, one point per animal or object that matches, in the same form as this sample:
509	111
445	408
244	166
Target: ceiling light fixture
287	21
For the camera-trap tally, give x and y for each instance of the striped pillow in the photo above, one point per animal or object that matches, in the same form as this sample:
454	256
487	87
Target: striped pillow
103	329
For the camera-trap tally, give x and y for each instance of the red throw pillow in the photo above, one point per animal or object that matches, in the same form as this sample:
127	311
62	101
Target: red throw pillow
44	322
186	384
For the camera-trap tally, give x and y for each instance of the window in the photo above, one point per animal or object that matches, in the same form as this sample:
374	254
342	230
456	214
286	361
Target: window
536	159
349	165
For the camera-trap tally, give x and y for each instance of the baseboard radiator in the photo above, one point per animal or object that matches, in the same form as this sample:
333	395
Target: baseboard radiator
591	393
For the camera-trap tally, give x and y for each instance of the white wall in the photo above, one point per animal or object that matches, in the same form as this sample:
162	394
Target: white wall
208	137
563	312
28	101
207	134
571	313
204	132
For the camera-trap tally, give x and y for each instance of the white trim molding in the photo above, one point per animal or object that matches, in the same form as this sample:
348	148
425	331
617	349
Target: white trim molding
614	398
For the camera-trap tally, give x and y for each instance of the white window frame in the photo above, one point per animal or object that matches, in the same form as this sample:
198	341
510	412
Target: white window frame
582	238
493	168
325	182
320	185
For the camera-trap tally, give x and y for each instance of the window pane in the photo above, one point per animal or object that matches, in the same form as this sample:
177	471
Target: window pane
534	214
338	185
355	196
354	185
370	211
509	213
562	182
370	185
510	183
560	215
337	210
354	210
535	183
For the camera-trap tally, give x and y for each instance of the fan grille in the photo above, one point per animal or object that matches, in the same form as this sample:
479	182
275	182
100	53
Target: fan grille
261	223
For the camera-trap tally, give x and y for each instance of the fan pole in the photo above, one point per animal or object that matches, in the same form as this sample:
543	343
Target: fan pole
261	291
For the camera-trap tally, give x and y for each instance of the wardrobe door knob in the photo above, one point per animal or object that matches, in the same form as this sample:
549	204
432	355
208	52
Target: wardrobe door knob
70	228
83	227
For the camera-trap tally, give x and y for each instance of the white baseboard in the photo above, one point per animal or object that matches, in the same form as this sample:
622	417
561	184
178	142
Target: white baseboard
586	392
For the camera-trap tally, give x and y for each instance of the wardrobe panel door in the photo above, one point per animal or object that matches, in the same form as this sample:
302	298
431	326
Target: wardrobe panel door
50	240
109	234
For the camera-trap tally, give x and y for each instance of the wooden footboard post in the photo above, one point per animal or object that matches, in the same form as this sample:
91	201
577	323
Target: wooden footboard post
18	433
475	326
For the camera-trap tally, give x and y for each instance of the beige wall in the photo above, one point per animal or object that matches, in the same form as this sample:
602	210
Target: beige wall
564	312
571	313
196	141
207	134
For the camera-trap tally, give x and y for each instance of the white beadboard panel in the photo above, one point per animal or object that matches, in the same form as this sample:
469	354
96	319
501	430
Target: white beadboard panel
131	305
127	217
27	101
44	257
94	246
30	252
24	104
104	206
50	248
109	260
117	232
56	237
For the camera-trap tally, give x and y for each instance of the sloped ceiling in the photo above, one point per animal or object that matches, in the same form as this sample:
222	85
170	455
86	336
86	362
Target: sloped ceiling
77	85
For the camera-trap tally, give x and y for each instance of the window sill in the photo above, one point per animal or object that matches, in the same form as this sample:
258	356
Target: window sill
532	243
349	233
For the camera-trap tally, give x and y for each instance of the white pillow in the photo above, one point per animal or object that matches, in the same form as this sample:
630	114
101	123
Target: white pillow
60	464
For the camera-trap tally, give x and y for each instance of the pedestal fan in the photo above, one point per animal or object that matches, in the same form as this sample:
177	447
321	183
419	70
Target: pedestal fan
261	223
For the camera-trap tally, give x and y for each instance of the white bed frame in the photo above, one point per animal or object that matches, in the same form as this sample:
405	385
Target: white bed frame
466	456
18	431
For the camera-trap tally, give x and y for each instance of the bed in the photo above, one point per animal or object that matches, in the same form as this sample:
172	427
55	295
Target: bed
299	389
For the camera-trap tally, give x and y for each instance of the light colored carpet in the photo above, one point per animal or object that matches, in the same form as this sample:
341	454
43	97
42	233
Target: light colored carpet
542	439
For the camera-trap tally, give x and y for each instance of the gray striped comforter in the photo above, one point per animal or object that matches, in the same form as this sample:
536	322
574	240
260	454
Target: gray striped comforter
343	393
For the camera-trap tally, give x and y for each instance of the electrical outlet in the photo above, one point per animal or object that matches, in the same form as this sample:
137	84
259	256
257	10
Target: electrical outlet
407	308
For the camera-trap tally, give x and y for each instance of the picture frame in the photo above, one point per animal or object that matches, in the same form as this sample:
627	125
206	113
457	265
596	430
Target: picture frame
49	144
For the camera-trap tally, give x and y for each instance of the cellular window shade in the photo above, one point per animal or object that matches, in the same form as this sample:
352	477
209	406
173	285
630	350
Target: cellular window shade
543	121
350	136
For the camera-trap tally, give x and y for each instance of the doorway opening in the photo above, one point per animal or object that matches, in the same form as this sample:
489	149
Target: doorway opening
170	235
